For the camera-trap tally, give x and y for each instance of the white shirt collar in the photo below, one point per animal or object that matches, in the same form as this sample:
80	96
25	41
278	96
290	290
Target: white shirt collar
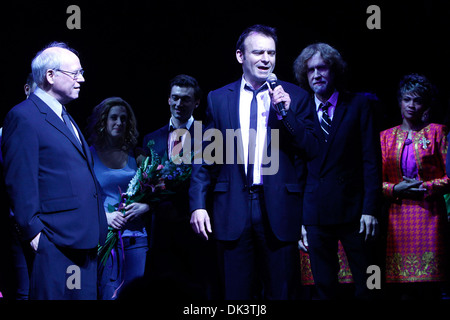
245	82
54	104
186	125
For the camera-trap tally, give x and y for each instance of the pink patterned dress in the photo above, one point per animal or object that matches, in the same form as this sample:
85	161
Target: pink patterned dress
415	240
344	275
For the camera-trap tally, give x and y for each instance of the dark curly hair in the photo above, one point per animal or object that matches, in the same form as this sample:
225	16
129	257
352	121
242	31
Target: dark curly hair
96	128
185	81
330	55
419	85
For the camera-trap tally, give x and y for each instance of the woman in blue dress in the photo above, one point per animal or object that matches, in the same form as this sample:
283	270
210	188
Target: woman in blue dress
112	132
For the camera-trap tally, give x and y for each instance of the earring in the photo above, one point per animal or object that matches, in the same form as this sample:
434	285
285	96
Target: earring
425	116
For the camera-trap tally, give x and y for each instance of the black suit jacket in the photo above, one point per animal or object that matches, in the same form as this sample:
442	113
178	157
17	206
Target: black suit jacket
344	180
50	178
283	190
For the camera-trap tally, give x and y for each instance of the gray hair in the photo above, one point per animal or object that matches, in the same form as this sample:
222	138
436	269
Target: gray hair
44	61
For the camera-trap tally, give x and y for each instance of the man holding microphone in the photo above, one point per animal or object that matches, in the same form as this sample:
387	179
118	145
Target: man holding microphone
256	217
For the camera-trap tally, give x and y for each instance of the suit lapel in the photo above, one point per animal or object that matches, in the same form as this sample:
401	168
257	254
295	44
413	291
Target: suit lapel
233	105
57	122
161	142
339	112
235	123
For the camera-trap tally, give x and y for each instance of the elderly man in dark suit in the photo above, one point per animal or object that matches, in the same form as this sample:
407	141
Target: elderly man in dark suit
49	178
343	186
256	213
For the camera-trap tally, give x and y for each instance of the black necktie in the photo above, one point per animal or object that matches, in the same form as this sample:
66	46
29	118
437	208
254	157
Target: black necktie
252	133
325	124
68	123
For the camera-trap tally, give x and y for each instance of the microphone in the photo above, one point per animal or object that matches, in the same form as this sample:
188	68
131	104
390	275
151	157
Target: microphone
273	82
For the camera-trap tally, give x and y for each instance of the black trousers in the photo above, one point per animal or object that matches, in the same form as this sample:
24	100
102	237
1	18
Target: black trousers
179	256
323	248
258	265
63	273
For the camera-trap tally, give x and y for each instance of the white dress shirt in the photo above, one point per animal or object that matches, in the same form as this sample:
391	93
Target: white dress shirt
245	101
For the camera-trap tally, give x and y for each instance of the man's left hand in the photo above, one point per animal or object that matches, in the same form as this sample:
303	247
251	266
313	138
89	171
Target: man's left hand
370	225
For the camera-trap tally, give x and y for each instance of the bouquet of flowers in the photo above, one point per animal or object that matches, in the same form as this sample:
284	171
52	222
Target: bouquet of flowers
155	179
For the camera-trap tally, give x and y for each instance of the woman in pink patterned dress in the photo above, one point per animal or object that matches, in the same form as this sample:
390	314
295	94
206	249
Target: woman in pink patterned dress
414	182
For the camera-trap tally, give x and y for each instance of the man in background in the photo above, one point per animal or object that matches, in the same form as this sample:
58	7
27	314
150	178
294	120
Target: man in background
343	185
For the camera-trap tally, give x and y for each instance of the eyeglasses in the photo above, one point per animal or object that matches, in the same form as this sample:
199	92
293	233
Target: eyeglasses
75	75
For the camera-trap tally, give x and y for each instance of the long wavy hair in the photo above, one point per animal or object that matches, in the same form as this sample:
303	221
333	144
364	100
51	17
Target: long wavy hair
97	121
330	55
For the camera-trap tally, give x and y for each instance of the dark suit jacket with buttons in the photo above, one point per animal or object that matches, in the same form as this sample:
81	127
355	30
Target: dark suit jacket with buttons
283	190
344	180
50	178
